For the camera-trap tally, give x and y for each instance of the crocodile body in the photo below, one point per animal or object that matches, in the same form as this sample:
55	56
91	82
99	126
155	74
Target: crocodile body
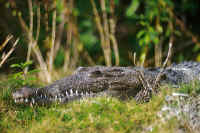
115	81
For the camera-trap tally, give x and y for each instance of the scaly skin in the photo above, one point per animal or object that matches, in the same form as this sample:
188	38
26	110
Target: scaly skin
115	81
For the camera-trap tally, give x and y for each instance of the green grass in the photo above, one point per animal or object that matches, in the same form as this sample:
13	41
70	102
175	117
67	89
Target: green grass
94	115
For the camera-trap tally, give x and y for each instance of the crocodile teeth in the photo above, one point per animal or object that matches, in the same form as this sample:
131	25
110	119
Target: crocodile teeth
71	92
66	93
60	99
26	100
87	94
76	93
50	98
33	100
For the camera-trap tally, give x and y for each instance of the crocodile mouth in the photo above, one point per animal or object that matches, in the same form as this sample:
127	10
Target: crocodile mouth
23	100
24	95
28	95
34	99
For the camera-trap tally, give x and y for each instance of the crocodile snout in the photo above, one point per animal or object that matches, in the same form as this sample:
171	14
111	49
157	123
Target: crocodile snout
22	95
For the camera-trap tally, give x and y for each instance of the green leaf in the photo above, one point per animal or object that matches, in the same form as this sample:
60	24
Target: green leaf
15	66
17	75
132	8
59	5
76	12
156	40
26	64
147	39
7	5
140	33
143	23
178	33
14	13
141	42
151	29
88	38
142	56
28	79
168	32
116	2
33	71
159	28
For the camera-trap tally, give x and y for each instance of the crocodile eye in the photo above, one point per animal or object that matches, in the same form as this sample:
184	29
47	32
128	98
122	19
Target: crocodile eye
95	73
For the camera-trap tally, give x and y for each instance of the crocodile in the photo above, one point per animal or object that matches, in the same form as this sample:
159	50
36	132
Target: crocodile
122	82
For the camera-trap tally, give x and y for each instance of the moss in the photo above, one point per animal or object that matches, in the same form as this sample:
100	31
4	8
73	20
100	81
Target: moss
100	115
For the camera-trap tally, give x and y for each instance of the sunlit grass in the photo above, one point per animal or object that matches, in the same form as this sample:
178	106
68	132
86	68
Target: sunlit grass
101	114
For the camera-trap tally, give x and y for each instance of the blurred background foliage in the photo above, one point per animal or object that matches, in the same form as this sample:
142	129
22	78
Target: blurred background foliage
60	35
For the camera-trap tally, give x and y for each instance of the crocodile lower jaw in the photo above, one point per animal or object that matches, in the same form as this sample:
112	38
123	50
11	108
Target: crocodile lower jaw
58	98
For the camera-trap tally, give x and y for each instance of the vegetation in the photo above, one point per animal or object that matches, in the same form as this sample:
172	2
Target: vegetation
49	39
60	35
101	114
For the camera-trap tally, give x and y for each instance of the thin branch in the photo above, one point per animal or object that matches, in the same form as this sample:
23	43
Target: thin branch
30	33
51	58
42	63
88	58
101	33
69	7
183	27
134	58
60	28
145	94
148	89
23	24
38	23
113	39
9	53
106	33
46	17
158	46
98	21
169	52
115	47
36	50
8	38
165	63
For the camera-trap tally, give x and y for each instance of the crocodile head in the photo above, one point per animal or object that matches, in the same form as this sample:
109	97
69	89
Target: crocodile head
28	95
40	96
24	95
